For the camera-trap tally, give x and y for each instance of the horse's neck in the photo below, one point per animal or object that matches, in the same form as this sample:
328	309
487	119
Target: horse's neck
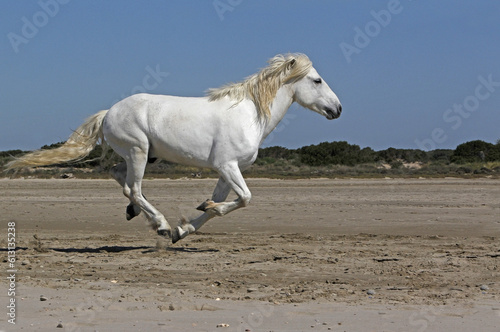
280	105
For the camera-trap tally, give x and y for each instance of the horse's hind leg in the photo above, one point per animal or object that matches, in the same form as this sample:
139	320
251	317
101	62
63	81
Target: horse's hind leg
136	164
232	176
187	227
119	173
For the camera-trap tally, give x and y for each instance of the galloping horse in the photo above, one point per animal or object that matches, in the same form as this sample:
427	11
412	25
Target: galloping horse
222	131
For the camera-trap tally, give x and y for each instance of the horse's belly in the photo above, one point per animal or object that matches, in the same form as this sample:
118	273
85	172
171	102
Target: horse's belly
175	152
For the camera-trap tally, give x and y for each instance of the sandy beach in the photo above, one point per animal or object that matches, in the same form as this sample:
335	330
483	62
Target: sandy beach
305	255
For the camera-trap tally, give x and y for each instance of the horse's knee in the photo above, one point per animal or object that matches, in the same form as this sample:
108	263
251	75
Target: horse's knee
245	199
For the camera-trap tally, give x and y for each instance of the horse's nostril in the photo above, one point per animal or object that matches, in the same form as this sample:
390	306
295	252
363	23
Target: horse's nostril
340	109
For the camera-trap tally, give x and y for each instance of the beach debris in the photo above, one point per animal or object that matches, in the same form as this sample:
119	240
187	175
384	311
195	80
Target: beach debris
386	259
252	289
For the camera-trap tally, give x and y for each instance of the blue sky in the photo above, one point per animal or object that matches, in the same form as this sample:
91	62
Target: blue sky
409	73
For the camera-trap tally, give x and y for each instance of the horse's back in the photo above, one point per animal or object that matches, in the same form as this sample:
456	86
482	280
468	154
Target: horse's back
153	113
186	130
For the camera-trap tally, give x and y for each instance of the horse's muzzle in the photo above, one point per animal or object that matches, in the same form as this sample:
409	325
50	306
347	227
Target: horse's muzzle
333	114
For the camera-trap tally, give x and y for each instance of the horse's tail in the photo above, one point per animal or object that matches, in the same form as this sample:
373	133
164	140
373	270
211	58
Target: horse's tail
78	146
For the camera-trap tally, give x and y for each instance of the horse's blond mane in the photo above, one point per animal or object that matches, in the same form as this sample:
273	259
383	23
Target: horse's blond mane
262	87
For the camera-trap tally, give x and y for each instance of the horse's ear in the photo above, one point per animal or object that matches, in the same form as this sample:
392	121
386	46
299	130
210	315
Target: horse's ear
290	64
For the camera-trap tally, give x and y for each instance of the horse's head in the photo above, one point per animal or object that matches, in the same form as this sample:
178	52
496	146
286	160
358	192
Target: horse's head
312	92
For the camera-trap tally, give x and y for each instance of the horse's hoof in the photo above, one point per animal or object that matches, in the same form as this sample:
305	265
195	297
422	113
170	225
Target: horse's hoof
203	206
175	235
131	212
206	205
164	233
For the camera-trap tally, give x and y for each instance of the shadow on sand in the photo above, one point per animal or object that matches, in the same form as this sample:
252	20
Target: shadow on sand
145	249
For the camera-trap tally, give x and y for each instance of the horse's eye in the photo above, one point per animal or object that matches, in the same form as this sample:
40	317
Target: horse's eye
317	81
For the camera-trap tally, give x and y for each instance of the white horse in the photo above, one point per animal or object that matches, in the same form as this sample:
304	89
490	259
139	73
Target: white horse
222	131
